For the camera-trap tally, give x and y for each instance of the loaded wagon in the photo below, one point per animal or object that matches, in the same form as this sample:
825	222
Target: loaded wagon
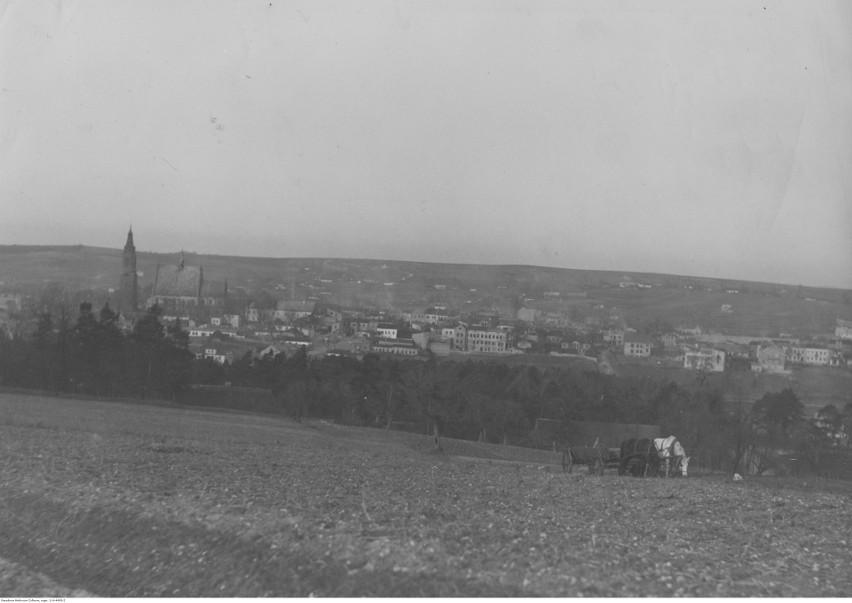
596	458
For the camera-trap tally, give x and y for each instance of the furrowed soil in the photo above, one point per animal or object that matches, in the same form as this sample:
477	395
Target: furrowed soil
123	500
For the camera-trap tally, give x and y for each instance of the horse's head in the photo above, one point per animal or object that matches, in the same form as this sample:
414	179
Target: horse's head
684	463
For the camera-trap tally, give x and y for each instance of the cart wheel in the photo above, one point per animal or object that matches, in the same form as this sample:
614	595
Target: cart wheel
567	461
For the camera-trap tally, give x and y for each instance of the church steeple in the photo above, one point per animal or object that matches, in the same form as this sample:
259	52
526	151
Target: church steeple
129	287
128	246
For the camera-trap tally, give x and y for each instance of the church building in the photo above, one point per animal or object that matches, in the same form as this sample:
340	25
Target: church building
179	288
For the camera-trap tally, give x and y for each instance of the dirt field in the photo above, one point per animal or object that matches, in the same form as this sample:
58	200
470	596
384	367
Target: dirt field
114	499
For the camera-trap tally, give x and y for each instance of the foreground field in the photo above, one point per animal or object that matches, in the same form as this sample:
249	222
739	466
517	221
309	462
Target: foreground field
114	499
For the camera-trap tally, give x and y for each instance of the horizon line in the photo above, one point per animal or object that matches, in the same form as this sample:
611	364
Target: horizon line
534	266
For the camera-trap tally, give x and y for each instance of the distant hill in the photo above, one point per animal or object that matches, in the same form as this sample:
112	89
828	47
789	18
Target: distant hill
638	299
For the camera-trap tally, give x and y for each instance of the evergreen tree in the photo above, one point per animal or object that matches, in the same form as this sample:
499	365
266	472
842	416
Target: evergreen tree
295	387
146	341
177	367
85	350
778	411
42	372
111	361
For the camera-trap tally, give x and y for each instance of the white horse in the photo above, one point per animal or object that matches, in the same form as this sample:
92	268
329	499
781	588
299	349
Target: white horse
671	451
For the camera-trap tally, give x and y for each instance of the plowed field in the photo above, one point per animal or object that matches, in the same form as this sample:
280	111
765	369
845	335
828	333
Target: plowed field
122	500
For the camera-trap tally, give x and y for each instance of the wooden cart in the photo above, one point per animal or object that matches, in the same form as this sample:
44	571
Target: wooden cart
596	458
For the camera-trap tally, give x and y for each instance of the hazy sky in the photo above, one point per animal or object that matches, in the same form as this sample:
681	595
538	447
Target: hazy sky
704	138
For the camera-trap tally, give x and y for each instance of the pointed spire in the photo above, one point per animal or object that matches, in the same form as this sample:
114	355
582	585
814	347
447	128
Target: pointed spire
129	286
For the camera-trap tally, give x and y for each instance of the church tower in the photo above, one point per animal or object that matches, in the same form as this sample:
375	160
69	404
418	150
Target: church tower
128	290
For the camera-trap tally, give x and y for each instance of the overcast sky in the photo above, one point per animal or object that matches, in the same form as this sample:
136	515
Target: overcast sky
702	138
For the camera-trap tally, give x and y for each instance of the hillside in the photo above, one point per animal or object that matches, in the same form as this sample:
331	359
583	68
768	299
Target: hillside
639	299
107	499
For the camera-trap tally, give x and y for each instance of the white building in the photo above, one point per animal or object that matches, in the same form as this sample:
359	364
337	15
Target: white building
400	347
460	338
202	331
812	356
637	345
613	337
843	330
480	340
218	356
387	331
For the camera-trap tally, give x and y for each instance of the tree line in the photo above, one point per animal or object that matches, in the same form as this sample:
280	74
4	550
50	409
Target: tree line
92	356
486	401
493	402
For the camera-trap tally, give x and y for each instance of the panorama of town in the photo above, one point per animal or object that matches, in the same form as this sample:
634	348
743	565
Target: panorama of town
266	407
227	323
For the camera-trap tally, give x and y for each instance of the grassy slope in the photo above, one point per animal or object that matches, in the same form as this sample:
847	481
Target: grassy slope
131	500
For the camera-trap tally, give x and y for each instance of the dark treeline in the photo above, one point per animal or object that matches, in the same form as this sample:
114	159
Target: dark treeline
488	401
91	355
475	400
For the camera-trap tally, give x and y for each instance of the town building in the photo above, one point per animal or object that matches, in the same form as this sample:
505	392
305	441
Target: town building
459	341
670	340
289	310
351	345
577	347
232	320
694	331
843	330
202	331
386	331
770	359
218	355
704	359
485	340
434	315
637	345
179	287
218	351
613	337
270	351
400	347
812	356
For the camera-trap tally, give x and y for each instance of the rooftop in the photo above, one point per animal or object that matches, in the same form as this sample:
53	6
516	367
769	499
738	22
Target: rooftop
177	281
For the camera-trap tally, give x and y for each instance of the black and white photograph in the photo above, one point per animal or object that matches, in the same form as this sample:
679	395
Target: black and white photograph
425	299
